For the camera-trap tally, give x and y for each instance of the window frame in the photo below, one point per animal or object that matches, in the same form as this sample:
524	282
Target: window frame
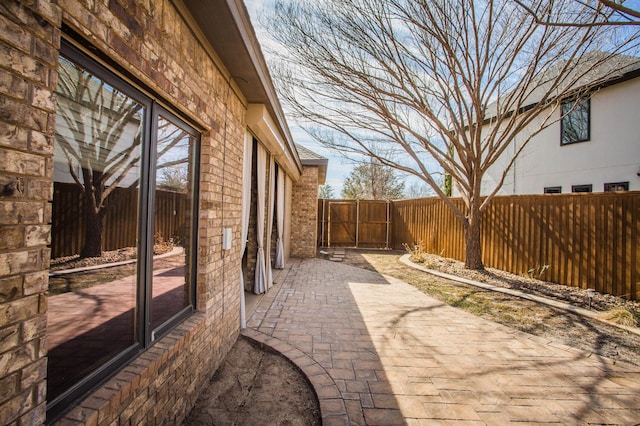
553	190
584	188
164	328
607	186
145	336
563	116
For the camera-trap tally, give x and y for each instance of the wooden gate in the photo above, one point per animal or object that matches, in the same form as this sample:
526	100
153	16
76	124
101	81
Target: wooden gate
354	223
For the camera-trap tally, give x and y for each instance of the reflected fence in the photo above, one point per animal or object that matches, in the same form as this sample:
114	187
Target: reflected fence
581	240
120	218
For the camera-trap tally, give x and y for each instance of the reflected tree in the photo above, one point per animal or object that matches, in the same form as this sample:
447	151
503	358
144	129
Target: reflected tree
99	133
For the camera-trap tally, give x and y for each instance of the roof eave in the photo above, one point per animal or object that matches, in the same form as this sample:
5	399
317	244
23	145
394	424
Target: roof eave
226	26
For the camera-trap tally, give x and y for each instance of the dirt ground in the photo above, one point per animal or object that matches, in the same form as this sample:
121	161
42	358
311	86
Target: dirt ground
256	387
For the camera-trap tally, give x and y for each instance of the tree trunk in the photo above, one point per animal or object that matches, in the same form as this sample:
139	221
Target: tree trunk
473	247
92	235
94	223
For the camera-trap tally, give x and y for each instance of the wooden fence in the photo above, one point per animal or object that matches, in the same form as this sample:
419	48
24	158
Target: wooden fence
121	218
588	240
352	223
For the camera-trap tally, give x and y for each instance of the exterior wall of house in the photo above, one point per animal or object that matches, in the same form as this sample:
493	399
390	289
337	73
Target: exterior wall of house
305	214
611	155
152	42
28	42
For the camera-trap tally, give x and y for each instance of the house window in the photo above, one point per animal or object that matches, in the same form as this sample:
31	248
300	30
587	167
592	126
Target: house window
553	190
616	186
581	188
123	227
575	124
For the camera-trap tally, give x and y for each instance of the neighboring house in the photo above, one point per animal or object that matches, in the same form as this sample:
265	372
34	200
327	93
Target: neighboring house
147	133
592	146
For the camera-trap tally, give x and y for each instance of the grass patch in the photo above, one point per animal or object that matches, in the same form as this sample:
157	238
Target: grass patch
520	314
504	309
620	316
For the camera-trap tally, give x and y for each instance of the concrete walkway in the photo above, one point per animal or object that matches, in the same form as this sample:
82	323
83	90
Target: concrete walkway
379	352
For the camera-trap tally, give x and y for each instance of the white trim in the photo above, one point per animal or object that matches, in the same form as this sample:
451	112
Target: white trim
265	129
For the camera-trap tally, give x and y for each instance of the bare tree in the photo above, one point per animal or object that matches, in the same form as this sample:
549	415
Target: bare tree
372	180
418	190
99	134
445	82
325	192
174	178
606	12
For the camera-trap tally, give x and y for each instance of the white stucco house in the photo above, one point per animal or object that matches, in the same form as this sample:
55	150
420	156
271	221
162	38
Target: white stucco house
590	147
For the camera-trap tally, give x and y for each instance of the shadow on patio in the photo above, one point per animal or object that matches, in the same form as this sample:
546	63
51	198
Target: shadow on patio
378	351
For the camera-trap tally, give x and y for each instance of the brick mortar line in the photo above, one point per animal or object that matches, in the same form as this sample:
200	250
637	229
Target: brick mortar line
549	302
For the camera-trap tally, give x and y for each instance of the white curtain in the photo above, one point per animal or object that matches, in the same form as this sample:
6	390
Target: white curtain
246	208
288	196
260	284
272	184
279	264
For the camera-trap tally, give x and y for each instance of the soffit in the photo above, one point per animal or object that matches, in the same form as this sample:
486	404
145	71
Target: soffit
227	28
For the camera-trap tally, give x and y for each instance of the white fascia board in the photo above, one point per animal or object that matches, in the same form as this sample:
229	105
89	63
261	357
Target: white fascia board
264	128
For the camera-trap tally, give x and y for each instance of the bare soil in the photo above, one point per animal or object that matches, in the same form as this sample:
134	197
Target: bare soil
256	387
112	256
59	284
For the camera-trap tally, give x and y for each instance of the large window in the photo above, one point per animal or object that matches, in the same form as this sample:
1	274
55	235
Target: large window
124	226
575	124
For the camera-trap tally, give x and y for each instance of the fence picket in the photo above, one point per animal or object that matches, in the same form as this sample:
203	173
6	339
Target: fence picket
588	240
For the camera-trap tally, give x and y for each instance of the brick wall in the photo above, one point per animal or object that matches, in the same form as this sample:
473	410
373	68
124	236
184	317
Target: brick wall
152	42
29	37
304	215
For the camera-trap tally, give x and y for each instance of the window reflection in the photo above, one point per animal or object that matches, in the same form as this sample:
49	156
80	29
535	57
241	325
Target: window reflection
123	218
172	219
575	121
91	302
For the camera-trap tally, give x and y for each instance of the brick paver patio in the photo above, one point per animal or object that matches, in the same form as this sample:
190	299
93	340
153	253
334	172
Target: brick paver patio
378	351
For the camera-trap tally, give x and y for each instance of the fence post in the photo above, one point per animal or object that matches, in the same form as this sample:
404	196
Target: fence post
322	224
357	220
329	227
386	243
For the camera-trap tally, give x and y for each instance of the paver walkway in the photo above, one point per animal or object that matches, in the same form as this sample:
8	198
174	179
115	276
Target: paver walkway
378	351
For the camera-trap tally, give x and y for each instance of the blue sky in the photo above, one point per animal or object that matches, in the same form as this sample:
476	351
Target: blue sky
339	167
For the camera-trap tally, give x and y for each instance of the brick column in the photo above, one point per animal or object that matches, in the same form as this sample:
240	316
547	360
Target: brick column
304	214
29	42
